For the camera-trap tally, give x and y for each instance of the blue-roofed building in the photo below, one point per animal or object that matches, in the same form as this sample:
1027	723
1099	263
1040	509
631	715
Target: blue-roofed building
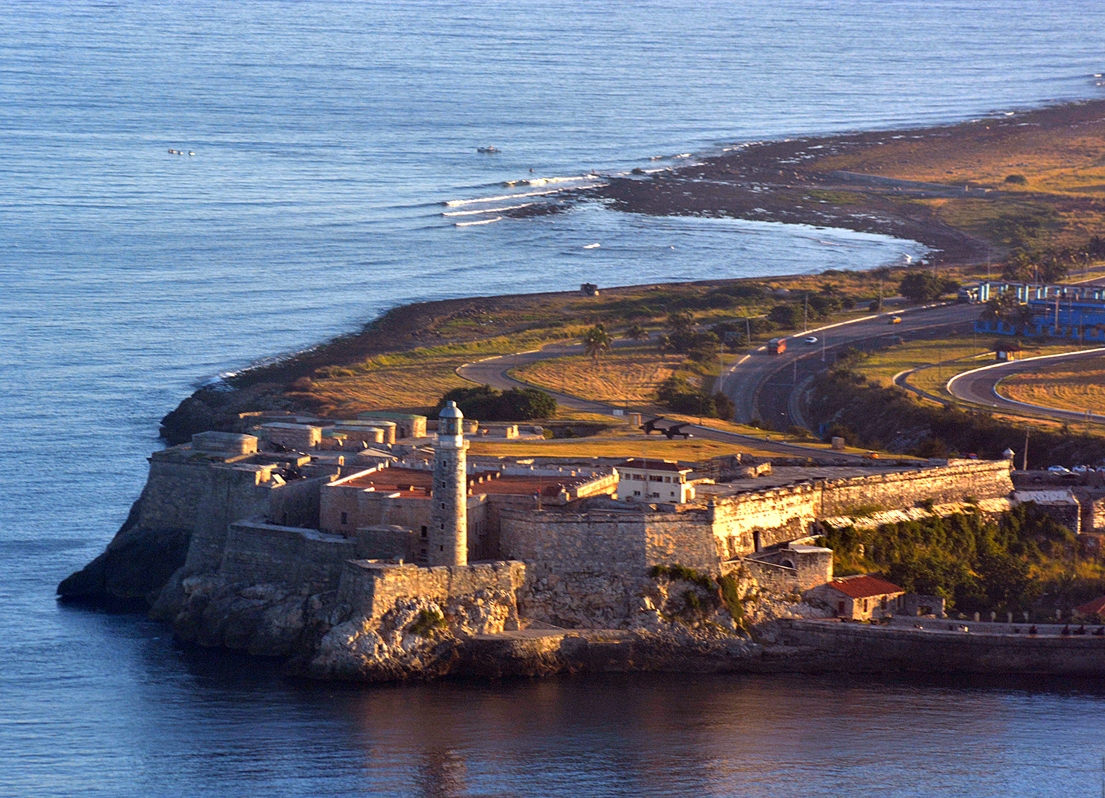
1058	311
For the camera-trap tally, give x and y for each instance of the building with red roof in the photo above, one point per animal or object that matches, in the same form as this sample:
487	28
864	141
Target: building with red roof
1092	608
860	598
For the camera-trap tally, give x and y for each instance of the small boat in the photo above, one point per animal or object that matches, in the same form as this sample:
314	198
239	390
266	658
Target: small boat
591	246
488	150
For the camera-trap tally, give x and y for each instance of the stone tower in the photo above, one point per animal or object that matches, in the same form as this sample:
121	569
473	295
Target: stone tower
448	534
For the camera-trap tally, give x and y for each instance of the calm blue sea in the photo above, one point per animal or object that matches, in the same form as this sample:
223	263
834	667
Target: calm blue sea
329	139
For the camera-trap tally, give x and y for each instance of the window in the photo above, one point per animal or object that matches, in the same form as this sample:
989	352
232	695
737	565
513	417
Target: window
884	602
865	605
345	518
425	532
667	479
636	493
443	505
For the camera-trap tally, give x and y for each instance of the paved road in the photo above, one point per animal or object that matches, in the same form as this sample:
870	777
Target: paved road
980	386
493	371
767	386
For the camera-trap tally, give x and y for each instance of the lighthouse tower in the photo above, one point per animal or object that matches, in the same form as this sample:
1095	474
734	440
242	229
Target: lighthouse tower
448	533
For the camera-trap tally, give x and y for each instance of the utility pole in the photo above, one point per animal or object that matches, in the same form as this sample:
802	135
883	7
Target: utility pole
1024	457
806	314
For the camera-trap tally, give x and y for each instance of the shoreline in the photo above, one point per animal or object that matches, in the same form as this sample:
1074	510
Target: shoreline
789	181
772	180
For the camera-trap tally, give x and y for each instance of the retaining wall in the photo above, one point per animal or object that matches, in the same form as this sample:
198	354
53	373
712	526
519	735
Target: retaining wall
372	588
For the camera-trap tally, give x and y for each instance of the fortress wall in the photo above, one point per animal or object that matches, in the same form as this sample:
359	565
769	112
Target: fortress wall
861	647
232	493
960	479
777	516
682	539
771	578
335	500
373	588
260	553
297	503
564	542
173	493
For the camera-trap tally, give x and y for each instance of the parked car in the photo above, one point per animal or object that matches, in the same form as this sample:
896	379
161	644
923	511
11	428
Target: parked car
1081	469
810	339
1058	470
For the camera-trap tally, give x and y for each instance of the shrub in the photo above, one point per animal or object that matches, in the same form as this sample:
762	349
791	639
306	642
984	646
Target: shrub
429	622
1016	180
785	315
487	404
923	286
731	599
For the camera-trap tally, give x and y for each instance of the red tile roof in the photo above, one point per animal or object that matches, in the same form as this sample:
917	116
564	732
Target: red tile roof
864	586
414	482
1095	607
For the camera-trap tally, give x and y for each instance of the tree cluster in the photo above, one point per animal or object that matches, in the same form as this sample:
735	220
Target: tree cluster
487	404
974	564
1050	264
919	286
677	394
700	347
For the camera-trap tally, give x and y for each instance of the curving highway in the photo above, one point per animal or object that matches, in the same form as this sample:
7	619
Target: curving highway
769	387
979	386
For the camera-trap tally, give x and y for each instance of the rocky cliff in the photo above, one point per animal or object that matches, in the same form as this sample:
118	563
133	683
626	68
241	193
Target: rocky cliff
133	568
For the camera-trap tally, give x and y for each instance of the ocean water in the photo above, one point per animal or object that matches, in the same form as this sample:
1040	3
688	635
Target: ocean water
330	139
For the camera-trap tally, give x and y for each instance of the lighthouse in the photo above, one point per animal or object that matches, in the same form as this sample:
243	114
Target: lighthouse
448	534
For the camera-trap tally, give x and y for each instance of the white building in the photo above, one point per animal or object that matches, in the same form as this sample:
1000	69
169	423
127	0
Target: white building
654	481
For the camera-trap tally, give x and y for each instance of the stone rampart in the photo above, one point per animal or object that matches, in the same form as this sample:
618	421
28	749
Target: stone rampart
233	492
259	553
831	645
957	481
371	588
770	577
748	522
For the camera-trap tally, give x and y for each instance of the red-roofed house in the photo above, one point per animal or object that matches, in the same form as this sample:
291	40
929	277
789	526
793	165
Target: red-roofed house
1092	608
860	598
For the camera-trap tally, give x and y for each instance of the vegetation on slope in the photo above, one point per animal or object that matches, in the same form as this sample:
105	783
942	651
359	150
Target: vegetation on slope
1023	561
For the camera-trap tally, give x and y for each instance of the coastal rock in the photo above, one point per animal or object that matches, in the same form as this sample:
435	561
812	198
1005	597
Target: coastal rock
189	417
417	638
266	620
134	566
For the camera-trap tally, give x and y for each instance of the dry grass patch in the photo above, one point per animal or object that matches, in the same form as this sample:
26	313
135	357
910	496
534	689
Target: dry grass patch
626	442
408	381
1064	386
624	375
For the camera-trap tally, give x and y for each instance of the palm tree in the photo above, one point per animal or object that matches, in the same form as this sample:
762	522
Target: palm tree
1005	307
637	333
596	341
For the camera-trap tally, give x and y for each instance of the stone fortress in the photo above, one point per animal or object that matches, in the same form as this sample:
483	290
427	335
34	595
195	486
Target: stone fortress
329	543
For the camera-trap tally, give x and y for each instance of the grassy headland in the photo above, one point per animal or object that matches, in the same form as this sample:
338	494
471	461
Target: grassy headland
974	191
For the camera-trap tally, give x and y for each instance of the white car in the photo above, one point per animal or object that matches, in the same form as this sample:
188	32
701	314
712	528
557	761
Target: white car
1081	469
810	339
1058	470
